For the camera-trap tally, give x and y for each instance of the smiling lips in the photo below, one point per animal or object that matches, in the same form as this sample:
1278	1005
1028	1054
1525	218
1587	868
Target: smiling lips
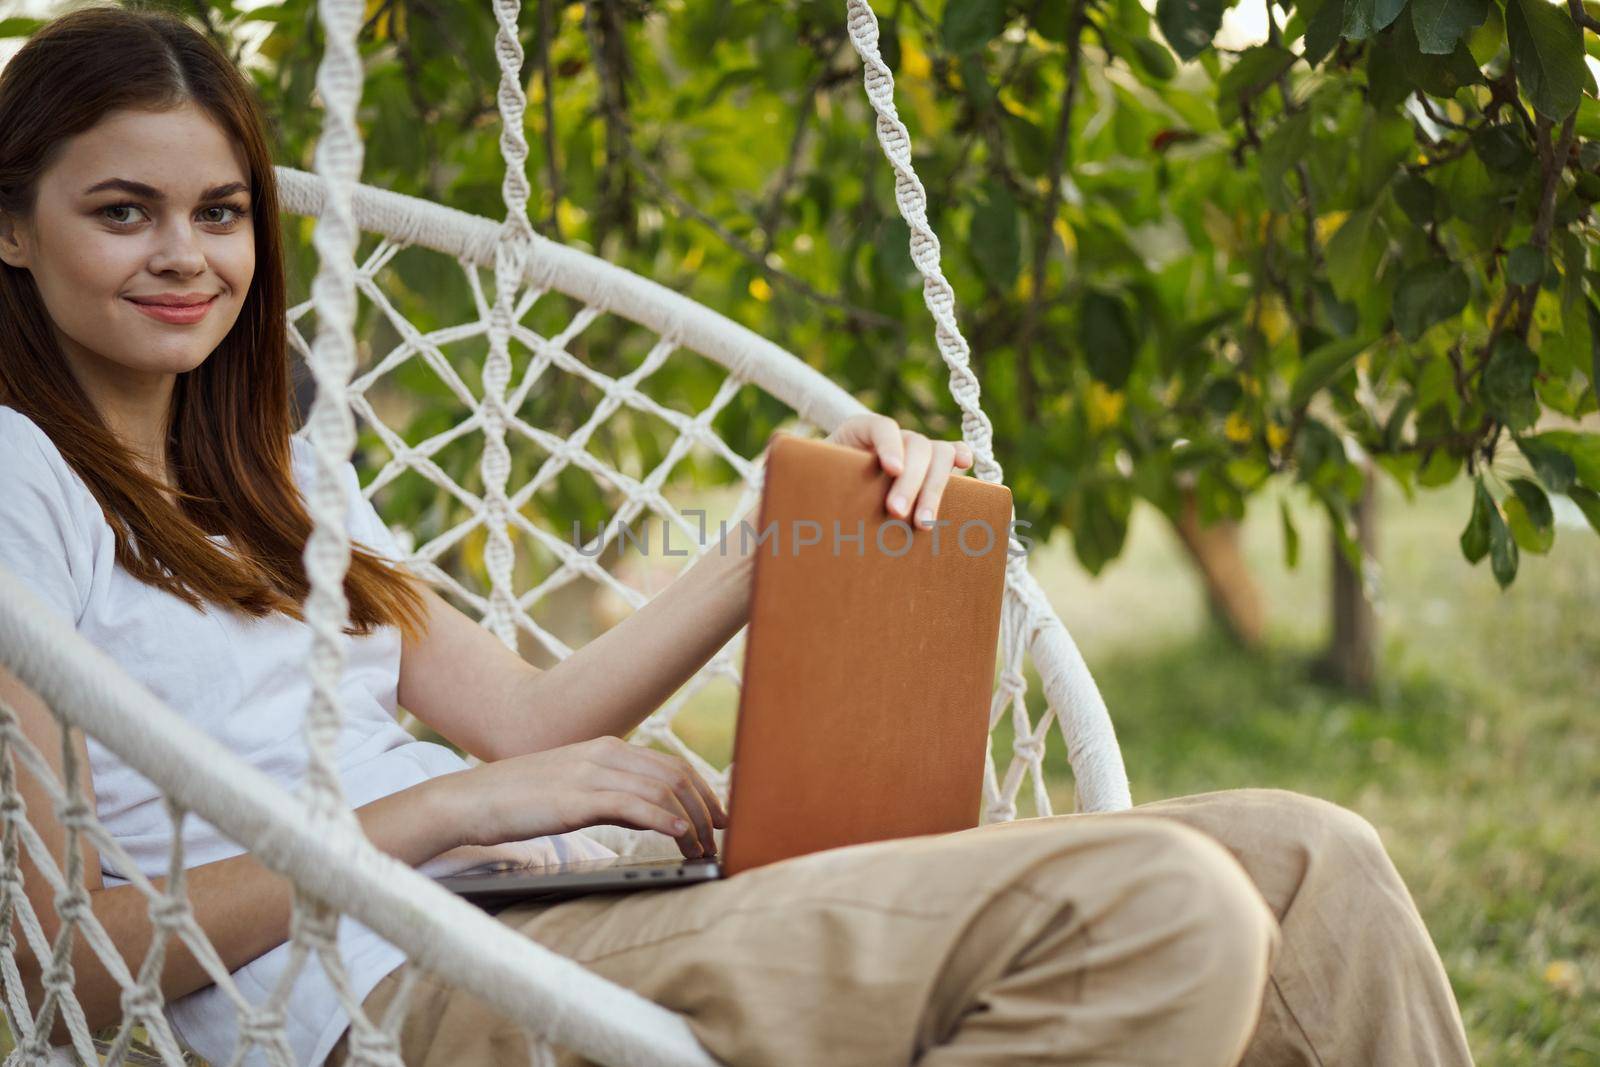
180	309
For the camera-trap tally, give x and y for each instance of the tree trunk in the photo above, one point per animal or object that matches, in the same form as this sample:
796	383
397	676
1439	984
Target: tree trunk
1230	589
1352	656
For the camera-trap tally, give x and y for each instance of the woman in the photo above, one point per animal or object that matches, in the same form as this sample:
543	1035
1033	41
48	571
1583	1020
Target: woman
150	492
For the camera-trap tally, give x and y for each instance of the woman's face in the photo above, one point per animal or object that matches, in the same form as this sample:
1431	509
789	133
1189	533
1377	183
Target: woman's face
94	247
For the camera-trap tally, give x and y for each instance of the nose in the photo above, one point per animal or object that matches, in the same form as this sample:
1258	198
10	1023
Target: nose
179	251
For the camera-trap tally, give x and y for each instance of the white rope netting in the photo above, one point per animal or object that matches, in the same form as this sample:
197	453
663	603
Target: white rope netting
313	838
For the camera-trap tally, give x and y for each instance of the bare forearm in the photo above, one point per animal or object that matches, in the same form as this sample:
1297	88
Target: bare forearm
243	906
613	682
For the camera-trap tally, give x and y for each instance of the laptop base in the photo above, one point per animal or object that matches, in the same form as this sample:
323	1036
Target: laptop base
494	889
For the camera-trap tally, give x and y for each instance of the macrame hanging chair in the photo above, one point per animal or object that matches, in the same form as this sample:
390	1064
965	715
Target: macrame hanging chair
313	838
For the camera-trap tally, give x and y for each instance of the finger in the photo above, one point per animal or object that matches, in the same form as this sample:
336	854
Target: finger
964	456
719	811
619	807
666	774
662	795
698	797
677	765
919	451
933	485
888	444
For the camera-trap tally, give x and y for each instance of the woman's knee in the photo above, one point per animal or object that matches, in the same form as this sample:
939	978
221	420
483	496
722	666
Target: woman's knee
1187	939
1277	820
1332	836
1232	932
1180	895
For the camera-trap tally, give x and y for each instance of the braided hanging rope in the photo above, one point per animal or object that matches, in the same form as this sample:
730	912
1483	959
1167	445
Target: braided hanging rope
510	263
330	426
314	924
912	201
1086	724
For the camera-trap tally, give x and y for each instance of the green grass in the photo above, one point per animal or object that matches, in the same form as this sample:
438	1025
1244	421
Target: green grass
1478	759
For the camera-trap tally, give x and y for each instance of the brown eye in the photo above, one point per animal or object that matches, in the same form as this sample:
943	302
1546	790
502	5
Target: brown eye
119	207
239	213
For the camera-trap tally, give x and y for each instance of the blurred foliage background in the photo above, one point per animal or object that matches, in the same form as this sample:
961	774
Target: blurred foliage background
1282	333
1356	248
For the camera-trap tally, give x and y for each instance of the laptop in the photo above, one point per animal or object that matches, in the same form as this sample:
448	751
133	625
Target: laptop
868	673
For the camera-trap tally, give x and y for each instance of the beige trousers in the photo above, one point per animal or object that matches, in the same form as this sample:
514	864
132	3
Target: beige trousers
1256	927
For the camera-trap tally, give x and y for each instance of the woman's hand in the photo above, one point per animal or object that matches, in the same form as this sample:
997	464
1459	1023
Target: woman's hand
923	466
605	780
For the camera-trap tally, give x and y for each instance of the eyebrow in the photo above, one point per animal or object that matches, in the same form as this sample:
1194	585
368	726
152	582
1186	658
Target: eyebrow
150	192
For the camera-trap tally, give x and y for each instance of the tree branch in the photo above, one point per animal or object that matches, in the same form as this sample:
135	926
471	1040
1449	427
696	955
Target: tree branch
609	53
1045	230
547	78
1582	17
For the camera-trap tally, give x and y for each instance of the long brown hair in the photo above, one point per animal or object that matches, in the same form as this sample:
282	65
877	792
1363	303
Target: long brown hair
228	447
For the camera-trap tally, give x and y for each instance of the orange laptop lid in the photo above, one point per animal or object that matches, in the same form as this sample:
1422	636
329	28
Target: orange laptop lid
869	661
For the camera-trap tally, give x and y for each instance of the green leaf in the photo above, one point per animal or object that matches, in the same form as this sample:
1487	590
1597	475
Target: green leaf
1353	253
1588	502
1189	25
1386	141
1154	57
1594	341
1416	197
1363	18
1392	65
1528	514
1440	24
995	238
1441	469
1395	425
1342	316
1443	75
1285	146
1475	538
1052	20
1030	145
1402	467
1502	550
1109	338
1547	48
1254	70
889	43
1322	32
975	80
1398	64
970	24
1428	294
1291	537
1508	382
1503	148
1486	41
1100	523
893	252
20	27
1554	467
1584	448
1525	265
1323	365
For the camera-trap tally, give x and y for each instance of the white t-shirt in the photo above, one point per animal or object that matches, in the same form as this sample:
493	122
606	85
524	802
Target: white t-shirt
244	682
